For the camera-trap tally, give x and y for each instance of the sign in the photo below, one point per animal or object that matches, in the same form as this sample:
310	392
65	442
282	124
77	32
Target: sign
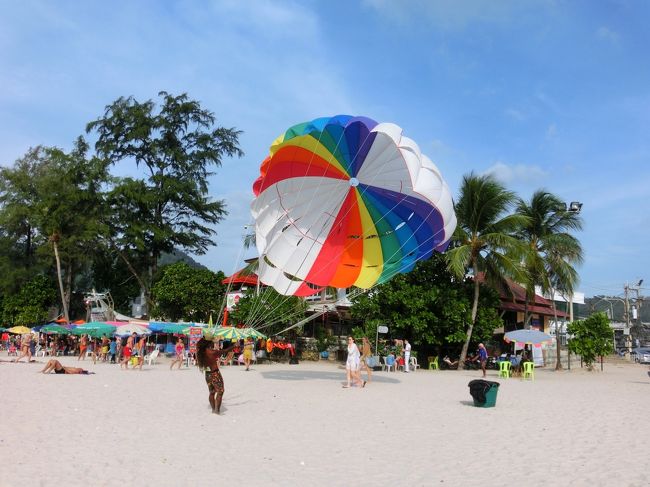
196	334
382	329
232	299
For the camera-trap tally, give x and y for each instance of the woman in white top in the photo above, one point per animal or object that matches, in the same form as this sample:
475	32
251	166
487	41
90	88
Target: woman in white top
353	363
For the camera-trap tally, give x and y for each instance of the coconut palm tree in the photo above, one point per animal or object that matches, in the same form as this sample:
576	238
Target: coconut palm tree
552	250
484	241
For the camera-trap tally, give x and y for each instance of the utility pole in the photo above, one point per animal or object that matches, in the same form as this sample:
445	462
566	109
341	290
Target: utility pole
628	331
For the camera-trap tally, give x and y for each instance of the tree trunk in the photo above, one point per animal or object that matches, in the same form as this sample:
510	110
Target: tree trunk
143	286
558	363
68	285
58	273
470	328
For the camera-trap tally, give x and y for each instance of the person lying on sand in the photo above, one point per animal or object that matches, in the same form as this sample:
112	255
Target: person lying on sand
55	365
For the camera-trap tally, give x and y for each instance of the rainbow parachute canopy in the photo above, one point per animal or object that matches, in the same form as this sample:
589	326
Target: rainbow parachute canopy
346	201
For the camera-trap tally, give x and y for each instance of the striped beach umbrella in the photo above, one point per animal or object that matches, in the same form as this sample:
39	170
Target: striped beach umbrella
229	333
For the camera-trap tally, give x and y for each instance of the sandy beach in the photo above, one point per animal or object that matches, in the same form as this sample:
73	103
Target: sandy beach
295	425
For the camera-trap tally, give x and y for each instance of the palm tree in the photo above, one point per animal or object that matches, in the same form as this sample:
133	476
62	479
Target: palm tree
552	250
484	241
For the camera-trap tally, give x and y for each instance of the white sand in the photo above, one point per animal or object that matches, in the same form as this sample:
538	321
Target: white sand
296	425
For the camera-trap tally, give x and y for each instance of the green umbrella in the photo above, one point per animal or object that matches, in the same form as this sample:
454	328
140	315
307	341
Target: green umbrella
253	333
229	333
177	328
94	329
55	330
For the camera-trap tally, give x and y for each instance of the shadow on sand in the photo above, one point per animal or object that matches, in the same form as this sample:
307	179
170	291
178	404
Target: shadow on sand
319	375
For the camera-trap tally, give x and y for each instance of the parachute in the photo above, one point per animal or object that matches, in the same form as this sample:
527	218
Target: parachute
346	201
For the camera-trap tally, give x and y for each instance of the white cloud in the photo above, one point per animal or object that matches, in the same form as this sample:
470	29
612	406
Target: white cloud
607	34
517	173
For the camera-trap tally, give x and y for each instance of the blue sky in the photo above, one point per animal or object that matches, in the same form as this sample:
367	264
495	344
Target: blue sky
546	94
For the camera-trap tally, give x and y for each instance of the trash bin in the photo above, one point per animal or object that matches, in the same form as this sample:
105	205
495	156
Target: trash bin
484	393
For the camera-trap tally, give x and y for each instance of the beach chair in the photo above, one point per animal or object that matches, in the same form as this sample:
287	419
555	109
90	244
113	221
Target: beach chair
413	364
151	358
388	364
529	370
505	369
433	363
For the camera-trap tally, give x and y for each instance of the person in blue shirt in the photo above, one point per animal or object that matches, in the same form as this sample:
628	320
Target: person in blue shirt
482	357
112	349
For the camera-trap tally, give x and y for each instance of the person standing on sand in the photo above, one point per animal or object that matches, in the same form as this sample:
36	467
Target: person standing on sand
352	364
179	349
366	354
248	352
482	357
407	355
207	359
140	347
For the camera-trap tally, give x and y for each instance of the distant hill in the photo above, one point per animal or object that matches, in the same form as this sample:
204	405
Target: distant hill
179	256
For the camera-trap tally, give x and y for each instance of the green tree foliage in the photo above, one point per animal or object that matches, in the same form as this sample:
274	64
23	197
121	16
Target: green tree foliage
53	196
169	208
30	305
427	306
592	338
484	241
269	311
187	293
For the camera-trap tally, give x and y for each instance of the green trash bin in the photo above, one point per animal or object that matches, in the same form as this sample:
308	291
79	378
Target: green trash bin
484	389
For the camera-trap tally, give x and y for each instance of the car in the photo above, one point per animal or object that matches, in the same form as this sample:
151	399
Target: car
641	355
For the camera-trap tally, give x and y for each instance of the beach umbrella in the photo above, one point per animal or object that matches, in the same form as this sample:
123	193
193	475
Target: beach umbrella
126	330
527	337
19	330
94	329
229	333
53	329
162	327
253	333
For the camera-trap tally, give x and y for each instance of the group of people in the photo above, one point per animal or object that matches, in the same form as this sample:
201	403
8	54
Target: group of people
357	360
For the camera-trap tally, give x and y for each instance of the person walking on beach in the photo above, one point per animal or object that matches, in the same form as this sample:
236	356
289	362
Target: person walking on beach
25	348
482	357
207	359
83	345
366	354
407	355
352	364
179	350
126	353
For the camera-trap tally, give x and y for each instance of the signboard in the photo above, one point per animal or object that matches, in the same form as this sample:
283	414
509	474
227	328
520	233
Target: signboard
232	299
382	329
195	335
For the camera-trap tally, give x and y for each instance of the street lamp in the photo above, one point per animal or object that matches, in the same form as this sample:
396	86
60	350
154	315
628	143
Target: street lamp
575	207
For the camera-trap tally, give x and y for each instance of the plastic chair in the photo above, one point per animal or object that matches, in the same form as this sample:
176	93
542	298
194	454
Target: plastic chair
433	363
388	364
505	369
413	364
529	370
151	358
